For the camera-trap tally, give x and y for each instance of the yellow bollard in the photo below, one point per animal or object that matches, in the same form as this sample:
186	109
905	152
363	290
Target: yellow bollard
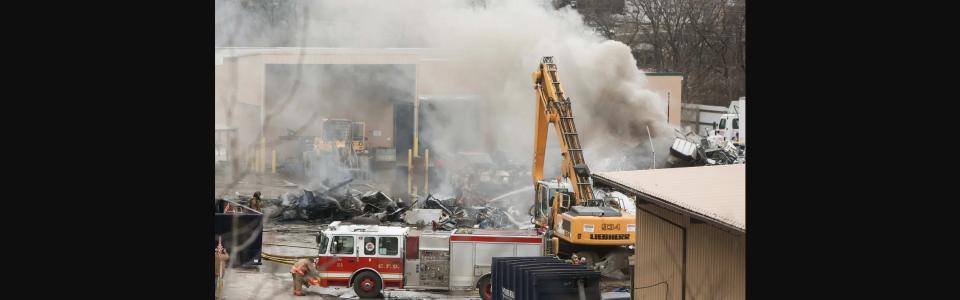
263	154
426	171
554	245
410	171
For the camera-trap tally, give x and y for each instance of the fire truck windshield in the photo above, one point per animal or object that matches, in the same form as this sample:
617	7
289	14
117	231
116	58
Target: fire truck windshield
388	246
342	245
323	243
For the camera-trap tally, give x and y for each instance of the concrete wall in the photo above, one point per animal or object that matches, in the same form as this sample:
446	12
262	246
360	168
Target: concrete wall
382	120
340	58
219	83
241	80
678	256
242	93
356	92
440	77
700	118
670	88
237	103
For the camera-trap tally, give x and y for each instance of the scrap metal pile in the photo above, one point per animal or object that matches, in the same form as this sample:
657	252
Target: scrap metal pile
337	203
710	150
724	144
457	215
472	184
341	203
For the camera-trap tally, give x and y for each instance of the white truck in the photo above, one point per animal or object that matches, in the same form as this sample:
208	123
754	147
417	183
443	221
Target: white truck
732	127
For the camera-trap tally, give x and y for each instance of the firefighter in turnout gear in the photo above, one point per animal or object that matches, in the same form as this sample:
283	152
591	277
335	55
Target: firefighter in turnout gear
304	274
255	202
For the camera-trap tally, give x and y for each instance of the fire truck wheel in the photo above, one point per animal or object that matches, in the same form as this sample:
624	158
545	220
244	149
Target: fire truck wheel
367	285
485	287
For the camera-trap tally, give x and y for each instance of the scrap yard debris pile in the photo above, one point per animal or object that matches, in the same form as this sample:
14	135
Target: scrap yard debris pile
342	203
725	144
698	150
457	215
465	189
337	203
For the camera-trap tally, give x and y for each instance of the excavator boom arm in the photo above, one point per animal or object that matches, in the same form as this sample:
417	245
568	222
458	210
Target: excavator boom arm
592	224
554	107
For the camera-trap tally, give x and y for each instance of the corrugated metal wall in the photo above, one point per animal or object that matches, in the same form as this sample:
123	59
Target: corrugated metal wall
715	263
715	267
658	272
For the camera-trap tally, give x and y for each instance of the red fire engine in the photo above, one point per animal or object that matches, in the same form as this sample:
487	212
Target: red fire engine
370	258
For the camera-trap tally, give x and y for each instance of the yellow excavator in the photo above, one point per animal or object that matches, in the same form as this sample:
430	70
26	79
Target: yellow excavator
566	208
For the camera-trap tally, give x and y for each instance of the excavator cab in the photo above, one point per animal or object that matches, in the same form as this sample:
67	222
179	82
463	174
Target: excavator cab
544	202
547	192
593	202
565	199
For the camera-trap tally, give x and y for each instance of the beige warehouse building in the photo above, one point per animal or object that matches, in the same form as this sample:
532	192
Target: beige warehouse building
669	86
691	230
243	84
249	83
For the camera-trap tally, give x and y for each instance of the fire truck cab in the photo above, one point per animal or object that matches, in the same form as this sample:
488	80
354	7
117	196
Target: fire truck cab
370	258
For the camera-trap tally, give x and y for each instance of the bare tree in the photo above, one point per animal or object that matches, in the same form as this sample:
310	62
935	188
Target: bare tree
718	25
257	23
605	16
703	39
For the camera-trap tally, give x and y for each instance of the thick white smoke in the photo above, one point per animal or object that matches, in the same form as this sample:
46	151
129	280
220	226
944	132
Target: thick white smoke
495	46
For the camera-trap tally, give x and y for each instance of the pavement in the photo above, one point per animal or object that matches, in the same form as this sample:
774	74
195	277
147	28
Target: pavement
273	281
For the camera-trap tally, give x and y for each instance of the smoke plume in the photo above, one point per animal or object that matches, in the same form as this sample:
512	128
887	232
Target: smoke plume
493	46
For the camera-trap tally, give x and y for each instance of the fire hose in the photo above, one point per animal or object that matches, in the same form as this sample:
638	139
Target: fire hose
292	246
289	260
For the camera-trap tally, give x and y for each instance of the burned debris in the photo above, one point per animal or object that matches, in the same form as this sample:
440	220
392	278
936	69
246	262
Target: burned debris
375	207
337	203
342	203
692	149
724	144
456	215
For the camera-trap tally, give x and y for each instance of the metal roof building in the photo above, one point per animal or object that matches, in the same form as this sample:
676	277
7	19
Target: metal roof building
691	230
